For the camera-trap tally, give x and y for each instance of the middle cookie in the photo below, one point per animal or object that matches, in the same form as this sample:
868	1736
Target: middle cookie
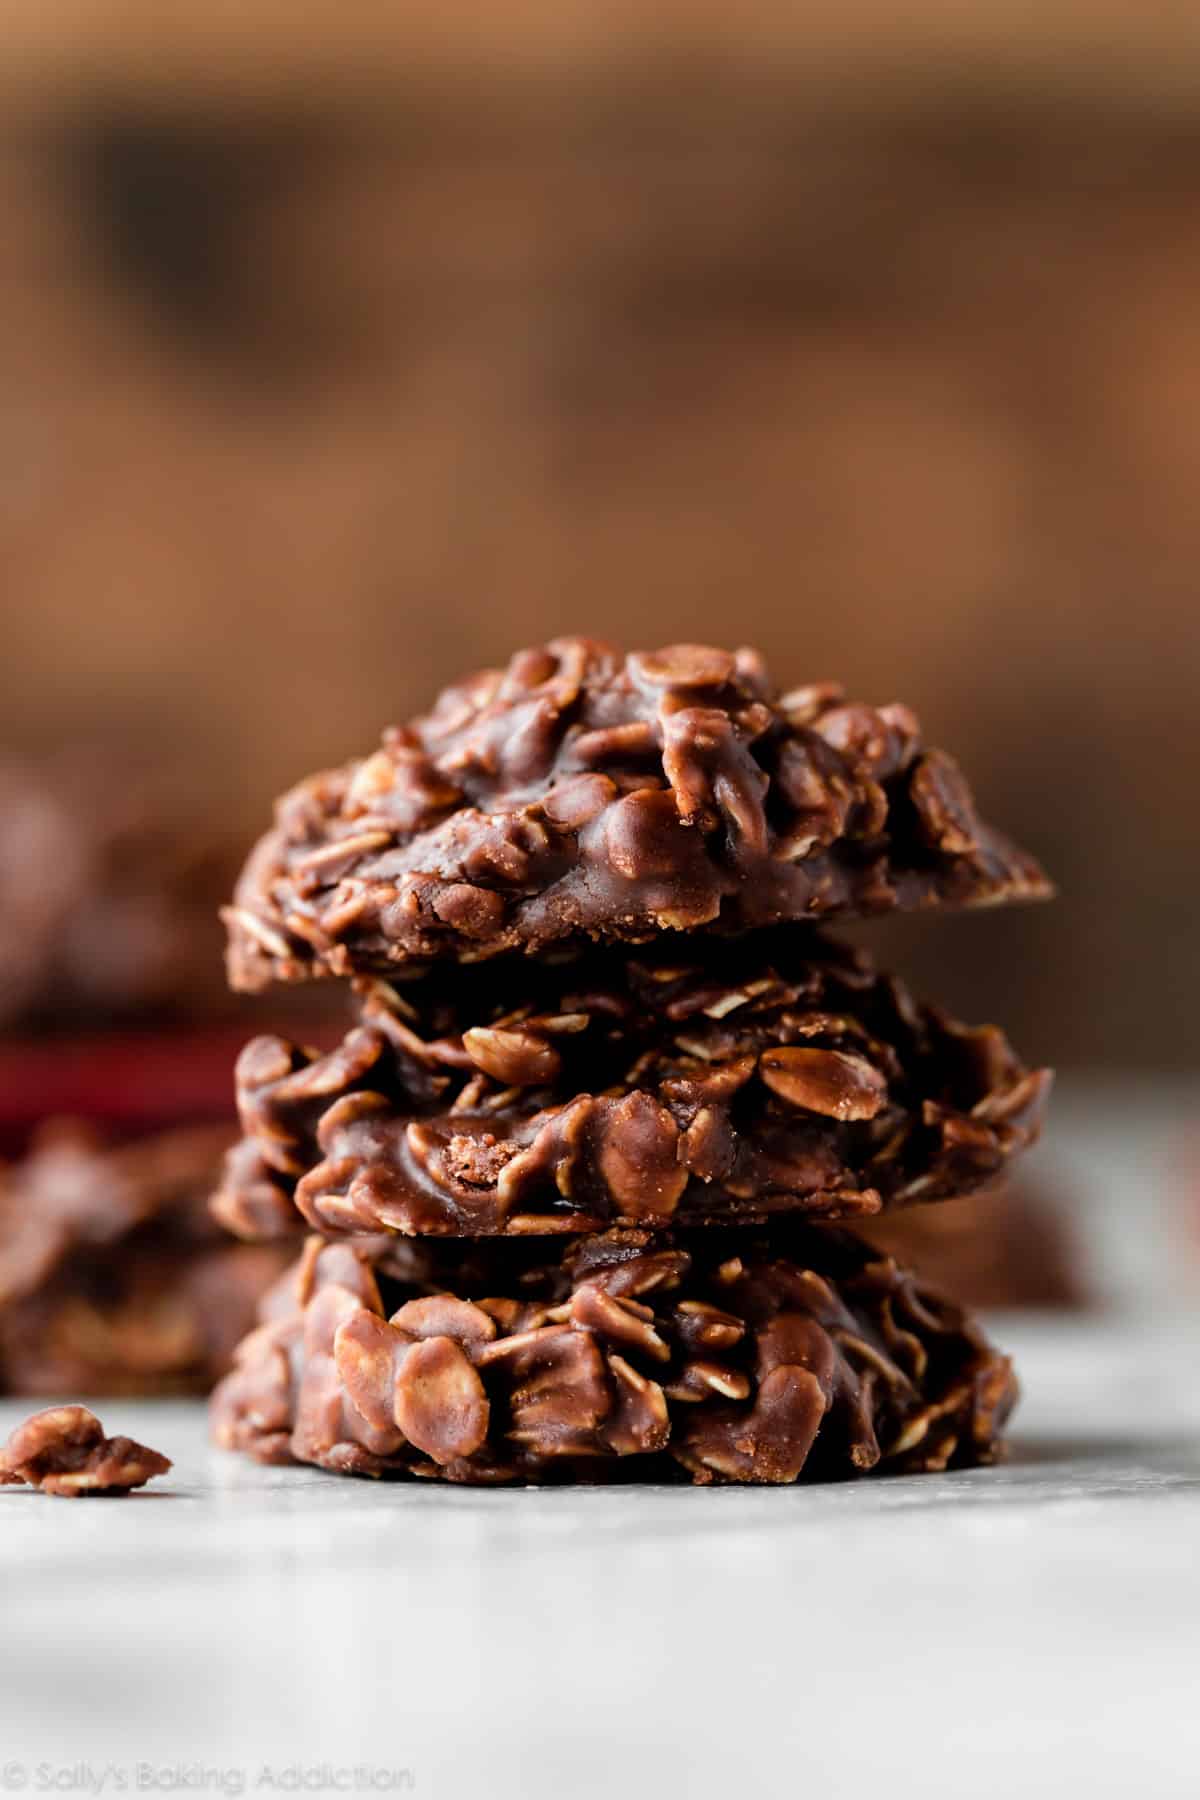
702	1082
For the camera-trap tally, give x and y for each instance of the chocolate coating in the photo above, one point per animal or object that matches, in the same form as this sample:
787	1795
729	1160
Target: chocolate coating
697	1081
113	1277
584	794
722	1356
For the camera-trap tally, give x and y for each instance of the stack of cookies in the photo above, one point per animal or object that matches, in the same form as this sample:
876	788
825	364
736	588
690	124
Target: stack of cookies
578	1181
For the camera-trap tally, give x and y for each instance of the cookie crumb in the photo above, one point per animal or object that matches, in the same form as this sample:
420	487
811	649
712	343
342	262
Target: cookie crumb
64	1451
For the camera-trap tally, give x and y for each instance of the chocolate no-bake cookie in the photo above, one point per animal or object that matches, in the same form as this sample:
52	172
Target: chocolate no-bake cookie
695	1081
721	1355
578	903
114	1279
582	794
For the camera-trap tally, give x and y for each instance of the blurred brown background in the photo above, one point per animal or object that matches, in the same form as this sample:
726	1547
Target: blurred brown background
337	356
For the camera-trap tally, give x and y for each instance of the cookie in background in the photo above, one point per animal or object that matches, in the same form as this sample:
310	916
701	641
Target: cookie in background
114	1278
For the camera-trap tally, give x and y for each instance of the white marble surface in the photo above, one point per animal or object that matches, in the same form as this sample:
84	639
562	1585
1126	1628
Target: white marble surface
1032	1629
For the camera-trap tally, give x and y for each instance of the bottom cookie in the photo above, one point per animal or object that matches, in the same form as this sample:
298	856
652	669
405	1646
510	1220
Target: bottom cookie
736	1356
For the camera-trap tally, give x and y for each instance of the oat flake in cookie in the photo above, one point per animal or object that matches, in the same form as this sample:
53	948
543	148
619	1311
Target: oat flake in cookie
715	1356
694	1081
582	794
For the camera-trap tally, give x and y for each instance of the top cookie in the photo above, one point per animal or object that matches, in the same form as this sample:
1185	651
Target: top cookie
581	794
